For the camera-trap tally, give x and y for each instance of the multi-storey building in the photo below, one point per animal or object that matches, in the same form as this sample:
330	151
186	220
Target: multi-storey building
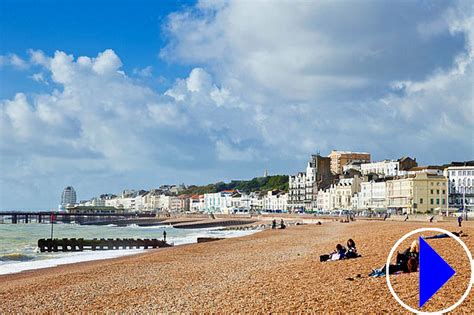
389	168
373	195
195	203
304	187
419	193
220	202
341	158
68	196
297	191
461	185
275	200
339	196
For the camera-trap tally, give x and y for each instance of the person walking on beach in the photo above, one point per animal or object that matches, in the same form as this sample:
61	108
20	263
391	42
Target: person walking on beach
164	236
460	221
274	224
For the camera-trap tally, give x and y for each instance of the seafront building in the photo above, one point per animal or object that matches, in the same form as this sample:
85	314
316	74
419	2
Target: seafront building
275	200
460	176
339	195
372	195
419	193
68	196
388	168
303	187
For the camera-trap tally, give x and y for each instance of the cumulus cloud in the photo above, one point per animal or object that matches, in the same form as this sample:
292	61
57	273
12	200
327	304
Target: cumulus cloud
383	77
13	60
98	116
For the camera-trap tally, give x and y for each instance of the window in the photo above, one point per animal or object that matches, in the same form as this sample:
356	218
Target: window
421	201
431	201
444	192
437	201
444	201
431	191
437	191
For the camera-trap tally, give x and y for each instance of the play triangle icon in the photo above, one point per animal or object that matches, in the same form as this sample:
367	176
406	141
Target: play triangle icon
434	272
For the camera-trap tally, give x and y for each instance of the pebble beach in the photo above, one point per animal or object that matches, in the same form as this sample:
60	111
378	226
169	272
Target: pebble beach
270	271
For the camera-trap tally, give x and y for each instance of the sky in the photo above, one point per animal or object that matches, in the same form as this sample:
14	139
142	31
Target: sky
113	95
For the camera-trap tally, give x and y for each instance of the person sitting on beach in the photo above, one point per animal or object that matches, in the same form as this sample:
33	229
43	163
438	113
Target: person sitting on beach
339	253
351	249
407	261
282	224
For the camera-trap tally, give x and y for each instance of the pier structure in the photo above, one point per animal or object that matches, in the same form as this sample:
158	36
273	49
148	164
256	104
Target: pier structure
16	217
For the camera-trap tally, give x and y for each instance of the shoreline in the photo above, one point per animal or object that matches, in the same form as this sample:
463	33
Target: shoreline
69	258
271	271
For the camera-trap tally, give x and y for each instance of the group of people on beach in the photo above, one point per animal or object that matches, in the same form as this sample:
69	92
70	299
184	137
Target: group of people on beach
342	252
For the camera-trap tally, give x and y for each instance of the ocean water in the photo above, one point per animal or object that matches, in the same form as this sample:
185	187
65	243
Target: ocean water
19	252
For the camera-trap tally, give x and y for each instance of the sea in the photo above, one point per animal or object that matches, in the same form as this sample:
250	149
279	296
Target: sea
19	251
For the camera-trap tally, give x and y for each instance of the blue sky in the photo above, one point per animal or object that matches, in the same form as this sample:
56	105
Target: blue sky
108	95
132	28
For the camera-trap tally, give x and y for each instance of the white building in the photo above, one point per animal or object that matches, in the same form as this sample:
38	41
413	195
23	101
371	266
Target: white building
461	185
220	202
389	168
373	195
304	186
196	203
68	196
275	200
339	196
297	191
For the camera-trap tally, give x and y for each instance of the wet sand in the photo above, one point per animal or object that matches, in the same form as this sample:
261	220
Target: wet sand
271	271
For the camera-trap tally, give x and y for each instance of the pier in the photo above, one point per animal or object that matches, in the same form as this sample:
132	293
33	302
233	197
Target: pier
16	217
78	245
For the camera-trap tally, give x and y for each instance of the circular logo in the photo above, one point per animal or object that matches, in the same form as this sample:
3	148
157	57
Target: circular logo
399	242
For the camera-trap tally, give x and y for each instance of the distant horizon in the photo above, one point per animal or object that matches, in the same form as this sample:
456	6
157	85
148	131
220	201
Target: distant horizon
104	97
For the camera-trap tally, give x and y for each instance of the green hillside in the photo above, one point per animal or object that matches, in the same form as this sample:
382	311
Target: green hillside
279	182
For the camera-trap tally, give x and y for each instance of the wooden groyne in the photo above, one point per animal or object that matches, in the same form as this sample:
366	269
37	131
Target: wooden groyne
208	239
80	244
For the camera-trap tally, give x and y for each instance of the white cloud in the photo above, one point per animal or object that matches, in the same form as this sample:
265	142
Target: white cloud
39	77
146	72
321	75
13	60
229	152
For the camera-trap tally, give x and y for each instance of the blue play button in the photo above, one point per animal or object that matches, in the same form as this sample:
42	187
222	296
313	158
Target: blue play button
434	272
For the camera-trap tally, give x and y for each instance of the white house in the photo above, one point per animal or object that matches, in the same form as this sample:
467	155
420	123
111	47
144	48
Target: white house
373	195
220	202
389	168
461	185
275	200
